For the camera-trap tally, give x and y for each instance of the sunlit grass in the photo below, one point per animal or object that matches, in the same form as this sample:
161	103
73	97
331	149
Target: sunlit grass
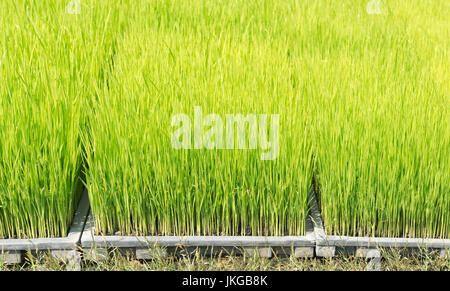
50	63
382	113
363	103
171	58
370	91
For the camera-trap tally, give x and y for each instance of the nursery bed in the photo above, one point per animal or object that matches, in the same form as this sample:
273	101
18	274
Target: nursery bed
13	250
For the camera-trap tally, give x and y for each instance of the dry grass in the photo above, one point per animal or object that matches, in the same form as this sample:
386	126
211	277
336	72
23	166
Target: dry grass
393	260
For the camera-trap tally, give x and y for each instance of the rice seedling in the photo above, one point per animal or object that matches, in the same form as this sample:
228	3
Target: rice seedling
221	57
370	90
382	120
50	64
362	99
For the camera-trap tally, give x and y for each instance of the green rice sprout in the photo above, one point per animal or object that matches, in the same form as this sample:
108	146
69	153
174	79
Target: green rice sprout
382	121
50	66
172	57
89	96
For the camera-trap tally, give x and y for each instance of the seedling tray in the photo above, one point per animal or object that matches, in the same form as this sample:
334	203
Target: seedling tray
368	247
13	250
96	246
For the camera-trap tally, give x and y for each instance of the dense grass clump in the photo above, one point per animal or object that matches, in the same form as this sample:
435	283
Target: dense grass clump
220	56
363	103
365	95
49	61
382	120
